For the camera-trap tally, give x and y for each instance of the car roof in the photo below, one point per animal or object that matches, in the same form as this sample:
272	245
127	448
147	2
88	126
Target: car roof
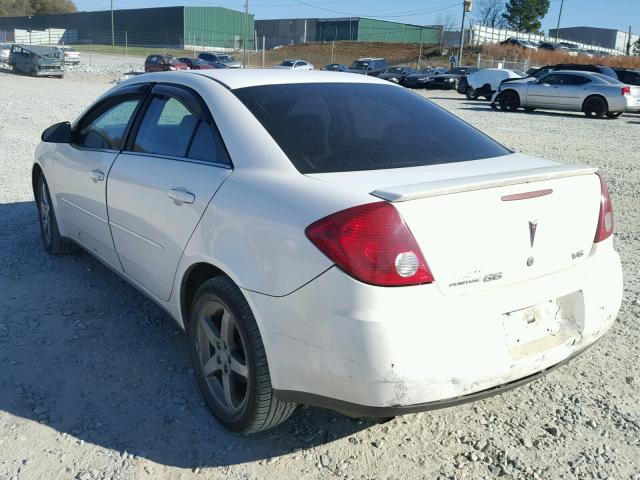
234	78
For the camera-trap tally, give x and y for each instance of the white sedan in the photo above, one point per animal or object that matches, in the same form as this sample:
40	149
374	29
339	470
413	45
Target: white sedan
331	239
294	65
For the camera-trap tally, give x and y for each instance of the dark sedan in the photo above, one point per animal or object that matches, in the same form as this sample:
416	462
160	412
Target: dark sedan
451	79
421	77
396	74
198	64
336	67
628	76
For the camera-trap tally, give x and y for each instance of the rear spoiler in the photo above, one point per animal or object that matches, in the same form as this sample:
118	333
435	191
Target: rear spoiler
403	193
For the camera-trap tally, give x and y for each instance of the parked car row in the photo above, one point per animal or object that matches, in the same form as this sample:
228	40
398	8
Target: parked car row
204	61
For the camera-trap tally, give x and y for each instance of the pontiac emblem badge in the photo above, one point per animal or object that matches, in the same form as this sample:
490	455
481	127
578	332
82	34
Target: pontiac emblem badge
532	231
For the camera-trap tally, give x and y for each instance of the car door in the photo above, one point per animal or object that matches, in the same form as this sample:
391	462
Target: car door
160	186
82	167
544	92
572	90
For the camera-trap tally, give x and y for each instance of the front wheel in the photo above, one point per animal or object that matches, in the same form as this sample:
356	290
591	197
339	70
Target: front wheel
595	107
509	101
53	242
471	94
230	362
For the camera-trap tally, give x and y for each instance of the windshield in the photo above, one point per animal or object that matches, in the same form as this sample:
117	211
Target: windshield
287	63
226	58
341	127
358	65
458	71
426	70
394	70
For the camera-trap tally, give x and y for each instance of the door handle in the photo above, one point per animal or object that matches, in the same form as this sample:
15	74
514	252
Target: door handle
180	196
96	176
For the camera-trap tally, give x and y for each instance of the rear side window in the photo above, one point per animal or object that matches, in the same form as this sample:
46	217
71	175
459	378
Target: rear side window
574	80
340	127
170	129
166	129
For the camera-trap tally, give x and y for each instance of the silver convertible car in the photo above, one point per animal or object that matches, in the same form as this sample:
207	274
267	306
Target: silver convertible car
594	94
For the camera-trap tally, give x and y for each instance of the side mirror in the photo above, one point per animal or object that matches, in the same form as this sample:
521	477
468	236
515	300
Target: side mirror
58	133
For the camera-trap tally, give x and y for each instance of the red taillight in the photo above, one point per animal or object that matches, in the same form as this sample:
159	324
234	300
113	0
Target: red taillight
605	219
373	244
626	90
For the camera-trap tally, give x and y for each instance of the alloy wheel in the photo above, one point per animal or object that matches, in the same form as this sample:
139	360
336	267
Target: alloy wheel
45	211
223	359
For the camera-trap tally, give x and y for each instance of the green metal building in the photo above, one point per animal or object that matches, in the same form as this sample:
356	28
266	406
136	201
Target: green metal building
289	31
175	27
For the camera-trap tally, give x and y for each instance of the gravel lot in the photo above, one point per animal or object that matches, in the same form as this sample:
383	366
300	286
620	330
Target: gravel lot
95	380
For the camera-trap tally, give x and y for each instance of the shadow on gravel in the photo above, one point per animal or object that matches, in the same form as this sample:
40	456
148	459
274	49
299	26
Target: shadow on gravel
84	353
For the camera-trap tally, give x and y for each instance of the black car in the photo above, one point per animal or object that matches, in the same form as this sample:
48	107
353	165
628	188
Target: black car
336	67
553	47
451	79
421	77
603	69
628	76
369	66
396	74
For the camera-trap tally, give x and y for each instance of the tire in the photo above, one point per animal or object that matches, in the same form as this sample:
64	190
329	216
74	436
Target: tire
52	241
595	107
613	114
471	94
509	101
231	362
529	109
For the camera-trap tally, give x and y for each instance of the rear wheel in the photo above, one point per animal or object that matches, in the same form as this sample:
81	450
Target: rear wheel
613	114
595	107
230	362
53	242
471	94
509	101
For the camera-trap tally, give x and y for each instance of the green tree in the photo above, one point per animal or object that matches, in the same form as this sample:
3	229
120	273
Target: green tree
35	7
636	47
525	15
41	7
13	8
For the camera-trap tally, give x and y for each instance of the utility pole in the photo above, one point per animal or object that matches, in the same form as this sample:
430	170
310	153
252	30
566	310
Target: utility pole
629	42
559	15
467	5
244	43
113	34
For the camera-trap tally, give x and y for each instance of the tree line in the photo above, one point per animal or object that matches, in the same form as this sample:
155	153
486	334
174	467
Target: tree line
16	8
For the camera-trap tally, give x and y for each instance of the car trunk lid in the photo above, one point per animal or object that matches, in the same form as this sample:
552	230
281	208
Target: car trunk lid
491	227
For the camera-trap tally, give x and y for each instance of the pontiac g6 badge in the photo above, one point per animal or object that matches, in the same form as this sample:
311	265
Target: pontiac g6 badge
532	231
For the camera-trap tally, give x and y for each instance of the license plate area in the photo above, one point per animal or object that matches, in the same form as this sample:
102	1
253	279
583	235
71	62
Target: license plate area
543	326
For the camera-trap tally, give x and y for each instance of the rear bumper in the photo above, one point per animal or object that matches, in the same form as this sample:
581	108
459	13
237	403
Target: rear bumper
355	410
337	342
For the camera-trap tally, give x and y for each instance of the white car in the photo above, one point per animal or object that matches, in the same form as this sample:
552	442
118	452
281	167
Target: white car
69	55
331	239
486	81
294	65
5	50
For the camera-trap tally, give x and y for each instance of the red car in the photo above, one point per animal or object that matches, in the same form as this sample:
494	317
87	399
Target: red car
195	63
163	63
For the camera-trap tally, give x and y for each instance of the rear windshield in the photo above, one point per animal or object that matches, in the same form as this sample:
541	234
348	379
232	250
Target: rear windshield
607	78
342	127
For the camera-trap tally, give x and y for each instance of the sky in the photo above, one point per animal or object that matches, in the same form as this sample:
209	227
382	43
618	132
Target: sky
619	14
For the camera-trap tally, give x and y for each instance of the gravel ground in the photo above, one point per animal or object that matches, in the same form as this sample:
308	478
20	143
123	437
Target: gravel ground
95	380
